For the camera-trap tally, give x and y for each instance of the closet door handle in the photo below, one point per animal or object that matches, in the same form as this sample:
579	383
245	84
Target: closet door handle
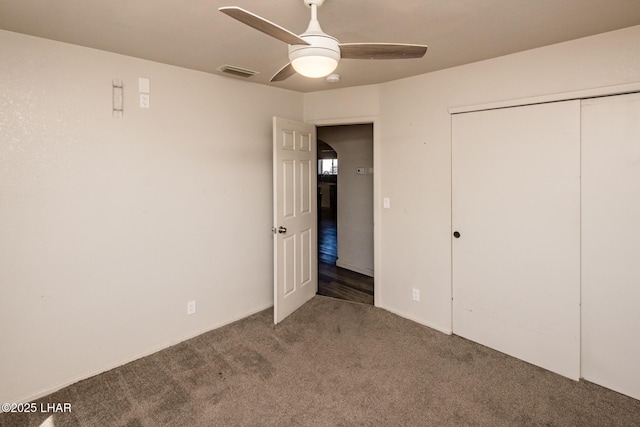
456	234
282	230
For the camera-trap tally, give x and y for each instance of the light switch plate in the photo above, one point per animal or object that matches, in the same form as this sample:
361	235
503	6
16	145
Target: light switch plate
143	85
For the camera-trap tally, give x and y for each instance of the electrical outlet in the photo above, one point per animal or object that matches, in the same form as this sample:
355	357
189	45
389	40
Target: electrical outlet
144	100
416	294
191	307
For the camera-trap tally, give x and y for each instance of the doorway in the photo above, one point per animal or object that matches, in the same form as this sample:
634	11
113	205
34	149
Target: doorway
345	212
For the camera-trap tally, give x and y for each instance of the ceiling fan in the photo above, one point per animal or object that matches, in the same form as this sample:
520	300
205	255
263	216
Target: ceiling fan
316	54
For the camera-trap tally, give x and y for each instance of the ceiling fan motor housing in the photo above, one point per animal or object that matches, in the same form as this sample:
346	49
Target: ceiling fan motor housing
321	46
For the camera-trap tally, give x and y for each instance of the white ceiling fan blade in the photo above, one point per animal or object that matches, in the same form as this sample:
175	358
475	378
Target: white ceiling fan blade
382	50
284	73
262	24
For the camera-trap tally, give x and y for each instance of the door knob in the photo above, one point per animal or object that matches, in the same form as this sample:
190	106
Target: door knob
456	234
282	230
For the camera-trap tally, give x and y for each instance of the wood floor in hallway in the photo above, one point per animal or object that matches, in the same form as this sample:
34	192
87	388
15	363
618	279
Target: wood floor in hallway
334	281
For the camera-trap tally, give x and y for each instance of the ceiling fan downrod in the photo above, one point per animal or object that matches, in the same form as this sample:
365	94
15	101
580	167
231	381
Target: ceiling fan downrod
314	24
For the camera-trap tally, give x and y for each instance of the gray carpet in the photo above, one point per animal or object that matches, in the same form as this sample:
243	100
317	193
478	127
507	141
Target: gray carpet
333	363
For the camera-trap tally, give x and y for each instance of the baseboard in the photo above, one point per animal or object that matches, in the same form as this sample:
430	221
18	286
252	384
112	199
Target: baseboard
365	271
122	362
421	322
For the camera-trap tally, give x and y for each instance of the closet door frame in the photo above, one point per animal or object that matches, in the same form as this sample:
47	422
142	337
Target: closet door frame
605	91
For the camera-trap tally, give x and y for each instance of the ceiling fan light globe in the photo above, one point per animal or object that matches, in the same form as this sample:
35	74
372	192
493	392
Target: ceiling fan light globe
314	66
319	59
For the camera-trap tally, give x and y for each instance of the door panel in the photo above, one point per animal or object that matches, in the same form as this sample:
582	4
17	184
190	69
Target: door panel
288	264
305	257
611	242
288	188
516	204
295	220
305	187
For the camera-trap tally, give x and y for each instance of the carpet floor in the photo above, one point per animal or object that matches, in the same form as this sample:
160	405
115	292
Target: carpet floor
332	363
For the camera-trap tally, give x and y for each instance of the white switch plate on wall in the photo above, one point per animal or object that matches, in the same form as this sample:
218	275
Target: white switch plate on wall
143	85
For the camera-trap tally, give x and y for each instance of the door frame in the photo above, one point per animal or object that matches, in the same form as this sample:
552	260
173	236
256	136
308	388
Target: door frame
377	180
562	96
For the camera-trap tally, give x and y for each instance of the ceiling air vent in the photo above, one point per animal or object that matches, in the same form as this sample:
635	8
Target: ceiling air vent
237	71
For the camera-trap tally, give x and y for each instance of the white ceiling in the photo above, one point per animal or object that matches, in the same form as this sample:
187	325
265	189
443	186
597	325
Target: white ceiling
193	34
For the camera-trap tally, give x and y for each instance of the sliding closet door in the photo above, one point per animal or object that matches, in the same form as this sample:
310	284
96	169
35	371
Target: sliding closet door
611	242
516	207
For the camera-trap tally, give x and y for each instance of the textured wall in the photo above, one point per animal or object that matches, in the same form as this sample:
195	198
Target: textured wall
109	226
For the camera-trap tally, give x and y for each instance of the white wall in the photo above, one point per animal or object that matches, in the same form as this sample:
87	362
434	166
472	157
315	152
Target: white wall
415	151
349	103
354	145
109	226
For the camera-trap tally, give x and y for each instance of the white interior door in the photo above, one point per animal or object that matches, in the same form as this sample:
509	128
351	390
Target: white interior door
294	216
516	205
611	242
